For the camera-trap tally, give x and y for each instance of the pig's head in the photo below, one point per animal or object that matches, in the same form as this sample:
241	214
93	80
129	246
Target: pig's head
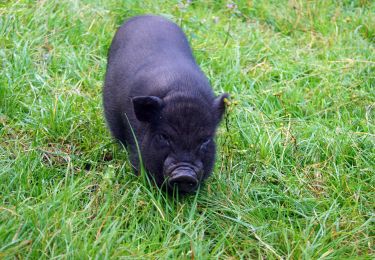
178	147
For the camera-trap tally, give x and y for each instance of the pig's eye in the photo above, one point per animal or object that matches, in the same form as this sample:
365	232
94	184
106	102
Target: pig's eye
162	140
205	144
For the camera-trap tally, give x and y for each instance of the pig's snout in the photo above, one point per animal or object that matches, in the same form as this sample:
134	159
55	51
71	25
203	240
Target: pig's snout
184	178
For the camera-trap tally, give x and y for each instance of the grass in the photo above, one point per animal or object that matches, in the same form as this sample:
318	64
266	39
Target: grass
294	176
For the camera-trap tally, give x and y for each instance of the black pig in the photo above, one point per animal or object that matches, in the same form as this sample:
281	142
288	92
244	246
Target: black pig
154	89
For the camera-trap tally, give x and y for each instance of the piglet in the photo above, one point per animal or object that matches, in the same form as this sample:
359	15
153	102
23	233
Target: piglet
158	101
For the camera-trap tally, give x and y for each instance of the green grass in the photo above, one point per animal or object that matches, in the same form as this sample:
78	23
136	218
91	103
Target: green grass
294	176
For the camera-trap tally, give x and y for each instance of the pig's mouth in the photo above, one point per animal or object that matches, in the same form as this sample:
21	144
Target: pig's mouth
183	176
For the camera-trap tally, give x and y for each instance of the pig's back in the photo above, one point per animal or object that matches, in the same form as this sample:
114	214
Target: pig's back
150	41
150	55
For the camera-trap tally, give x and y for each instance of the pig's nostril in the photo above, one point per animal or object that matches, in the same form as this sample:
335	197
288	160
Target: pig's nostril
184	181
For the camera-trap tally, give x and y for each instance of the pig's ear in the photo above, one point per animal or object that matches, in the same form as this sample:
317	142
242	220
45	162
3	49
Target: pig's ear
147	108
219	106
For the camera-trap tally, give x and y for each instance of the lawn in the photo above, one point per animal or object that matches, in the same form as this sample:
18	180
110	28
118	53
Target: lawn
294	176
